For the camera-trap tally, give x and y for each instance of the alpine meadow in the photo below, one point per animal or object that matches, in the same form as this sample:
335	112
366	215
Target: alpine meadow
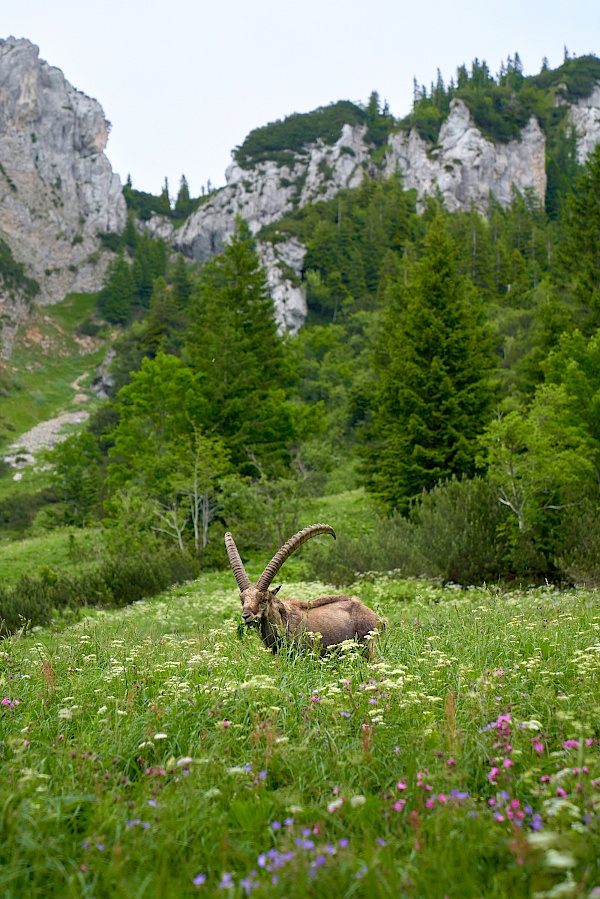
381	330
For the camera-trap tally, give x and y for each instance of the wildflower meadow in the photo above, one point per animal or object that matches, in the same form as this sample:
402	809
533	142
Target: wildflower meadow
161	751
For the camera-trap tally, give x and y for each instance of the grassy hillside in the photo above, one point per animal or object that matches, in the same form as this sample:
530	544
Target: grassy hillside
151	752
50	355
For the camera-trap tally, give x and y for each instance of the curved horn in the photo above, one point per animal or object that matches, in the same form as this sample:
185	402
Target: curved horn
236	563
288	548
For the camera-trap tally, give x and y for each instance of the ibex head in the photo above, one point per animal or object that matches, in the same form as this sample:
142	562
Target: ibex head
257	598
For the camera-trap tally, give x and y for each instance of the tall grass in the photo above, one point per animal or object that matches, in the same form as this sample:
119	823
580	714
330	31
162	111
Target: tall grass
152	752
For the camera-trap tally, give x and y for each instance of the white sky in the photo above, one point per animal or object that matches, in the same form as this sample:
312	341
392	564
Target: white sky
184	81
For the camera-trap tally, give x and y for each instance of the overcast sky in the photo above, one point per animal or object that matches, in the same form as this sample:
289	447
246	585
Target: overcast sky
184	81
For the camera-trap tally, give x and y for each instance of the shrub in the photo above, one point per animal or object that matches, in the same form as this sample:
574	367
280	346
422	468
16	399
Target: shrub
116	581
453	533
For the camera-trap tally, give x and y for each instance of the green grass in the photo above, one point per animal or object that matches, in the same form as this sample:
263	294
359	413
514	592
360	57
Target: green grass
46	360
152	745
54	549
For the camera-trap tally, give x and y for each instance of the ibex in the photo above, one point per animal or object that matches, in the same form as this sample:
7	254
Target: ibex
335	618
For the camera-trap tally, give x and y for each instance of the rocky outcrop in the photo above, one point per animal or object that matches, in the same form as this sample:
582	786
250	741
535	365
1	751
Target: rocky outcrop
57	188
266	192
467	168
283	262
585	118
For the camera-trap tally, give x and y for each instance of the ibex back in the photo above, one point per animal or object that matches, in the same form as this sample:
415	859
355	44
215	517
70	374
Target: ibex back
334	618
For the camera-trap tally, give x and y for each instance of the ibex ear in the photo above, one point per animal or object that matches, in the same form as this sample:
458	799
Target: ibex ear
277	589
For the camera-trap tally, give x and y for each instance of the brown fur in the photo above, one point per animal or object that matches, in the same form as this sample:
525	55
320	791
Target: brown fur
335	618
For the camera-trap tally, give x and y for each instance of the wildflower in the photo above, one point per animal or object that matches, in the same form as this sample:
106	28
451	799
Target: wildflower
304	844
343	842
507	763
536	821
225	722
429	803
571	744
399	805
333	806
450	762
357	800
560	792
458	794
381	841
100	847
401	785
276	825
226	881
493	775
160	736
199	879
346	714
442	798
539	747
184	762
152	802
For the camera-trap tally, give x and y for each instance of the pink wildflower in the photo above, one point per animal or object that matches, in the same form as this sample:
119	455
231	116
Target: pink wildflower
401	785
507	763
429	803
399	805
493	775
539	747
571	744
560	792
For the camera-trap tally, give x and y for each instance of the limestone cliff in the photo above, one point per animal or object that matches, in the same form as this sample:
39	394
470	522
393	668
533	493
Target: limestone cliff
466	167
57	188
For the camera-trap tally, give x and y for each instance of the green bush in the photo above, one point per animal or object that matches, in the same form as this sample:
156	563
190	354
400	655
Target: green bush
452	533
116	581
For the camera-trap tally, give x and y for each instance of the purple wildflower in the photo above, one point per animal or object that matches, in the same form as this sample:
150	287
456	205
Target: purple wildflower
536	821
199	879
343	842
226	881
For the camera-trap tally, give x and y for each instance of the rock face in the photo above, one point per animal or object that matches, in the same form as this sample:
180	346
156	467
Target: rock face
466	167
585	118
57	188
266	192
283	263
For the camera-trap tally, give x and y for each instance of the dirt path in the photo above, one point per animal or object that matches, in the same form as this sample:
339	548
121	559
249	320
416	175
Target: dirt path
41	437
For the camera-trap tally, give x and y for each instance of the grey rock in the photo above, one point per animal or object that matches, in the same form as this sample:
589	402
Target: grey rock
585	118
103	380
57	187
466	167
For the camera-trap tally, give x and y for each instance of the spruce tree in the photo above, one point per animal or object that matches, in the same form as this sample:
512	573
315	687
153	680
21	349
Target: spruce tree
433	358
116	298
236	350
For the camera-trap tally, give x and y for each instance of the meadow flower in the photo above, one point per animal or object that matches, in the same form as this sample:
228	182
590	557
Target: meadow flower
401	785
199	879
571	744
226	881
160	736
343	843
399	805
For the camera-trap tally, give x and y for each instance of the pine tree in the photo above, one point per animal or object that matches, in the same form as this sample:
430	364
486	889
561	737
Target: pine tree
183	203
434	358
580	246
235	348
116	298
182	283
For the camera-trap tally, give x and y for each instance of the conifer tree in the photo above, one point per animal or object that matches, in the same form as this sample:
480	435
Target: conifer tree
182	283
116	298
235	348
433	358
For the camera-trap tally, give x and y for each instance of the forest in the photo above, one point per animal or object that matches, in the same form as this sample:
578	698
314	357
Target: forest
449	367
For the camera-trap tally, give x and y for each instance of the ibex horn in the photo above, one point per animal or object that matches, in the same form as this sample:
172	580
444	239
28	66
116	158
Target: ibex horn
236	563
288	548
